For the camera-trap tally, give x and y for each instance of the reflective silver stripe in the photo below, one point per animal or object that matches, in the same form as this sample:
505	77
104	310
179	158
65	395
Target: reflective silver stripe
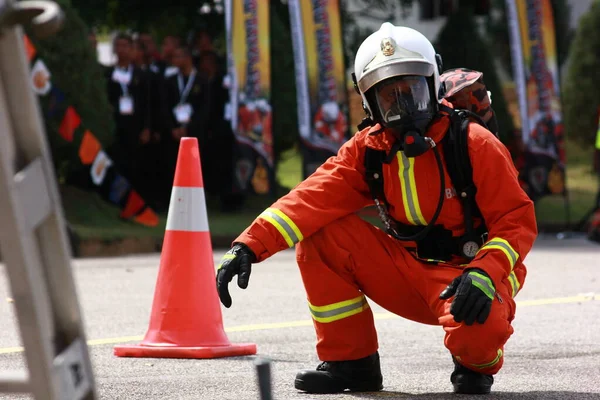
288	232
503	245
410	198
337	311
484	285
187	210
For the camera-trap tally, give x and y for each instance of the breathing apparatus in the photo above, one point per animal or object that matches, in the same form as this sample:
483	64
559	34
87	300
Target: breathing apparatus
397	75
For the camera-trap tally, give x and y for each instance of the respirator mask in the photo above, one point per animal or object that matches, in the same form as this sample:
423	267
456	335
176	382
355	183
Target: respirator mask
406	107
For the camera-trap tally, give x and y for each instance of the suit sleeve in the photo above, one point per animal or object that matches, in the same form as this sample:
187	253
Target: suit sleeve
507	210
336	189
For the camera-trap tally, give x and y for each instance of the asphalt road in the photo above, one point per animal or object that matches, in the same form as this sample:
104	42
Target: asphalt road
553	354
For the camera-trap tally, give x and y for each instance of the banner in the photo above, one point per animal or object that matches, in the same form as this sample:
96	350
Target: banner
320	79
533	48
249	76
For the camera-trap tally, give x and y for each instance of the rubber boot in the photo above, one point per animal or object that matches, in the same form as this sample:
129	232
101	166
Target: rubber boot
466	381
362	375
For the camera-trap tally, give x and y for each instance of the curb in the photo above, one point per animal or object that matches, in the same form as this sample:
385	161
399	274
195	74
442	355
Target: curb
100	248
84	248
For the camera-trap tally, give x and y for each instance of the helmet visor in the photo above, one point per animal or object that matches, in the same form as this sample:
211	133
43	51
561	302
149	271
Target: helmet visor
401	96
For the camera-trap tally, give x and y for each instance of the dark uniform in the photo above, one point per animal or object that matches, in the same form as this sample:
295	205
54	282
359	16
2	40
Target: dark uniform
128	95
185	104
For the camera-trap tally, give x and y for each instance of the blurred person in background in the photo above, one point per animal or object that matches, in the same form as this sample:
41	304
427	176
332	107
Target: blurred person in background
152	53
167	65
185	108
127	89
218	148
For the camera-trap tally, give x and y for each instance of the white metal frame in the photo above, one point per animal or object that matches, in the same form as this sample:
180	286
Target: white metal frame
33	235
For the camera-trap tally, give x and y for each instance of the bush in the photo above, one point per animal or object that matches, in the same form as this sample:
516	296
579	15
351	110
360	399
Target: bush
461	45
580	95
77	74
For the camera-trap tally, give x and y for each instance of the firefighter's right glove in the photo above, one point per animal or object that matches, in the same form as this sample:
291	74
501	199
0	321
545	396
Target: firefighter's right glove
473	293
237	261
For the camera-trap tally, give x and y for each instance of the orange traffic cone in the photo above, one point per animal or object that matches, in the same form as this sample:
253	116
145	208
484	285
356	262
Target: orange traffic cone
186	320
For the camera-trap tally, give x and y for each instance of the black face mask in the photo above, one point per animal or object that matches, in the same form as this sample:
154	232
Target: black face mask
411	133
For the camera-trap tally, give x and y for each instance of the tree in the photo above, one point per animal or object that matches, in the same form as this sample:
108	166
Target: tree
76	73
283	80
461	45
581	101
497	31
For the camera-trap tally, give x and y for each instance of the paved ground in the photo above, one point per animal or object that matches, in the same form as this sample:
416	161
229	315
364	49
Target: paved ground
554	353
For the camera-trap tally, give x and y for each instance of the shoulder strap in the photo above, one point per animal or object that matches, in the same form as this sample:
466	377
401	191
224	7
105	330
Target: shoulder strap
458	164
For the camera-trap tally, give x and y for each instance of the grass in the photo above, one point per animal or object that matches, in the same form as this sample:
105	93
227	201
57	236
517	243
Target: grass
92	217
582	187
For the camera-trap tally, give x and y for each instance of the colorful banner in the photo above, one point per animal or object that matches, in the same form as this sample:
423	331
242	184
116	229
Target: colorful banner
109	184
320	79
535	66
249	109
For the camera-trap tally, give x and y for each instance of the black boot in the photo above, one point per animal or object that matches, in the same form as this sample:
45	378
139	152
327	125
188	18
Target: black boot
363	375
467	381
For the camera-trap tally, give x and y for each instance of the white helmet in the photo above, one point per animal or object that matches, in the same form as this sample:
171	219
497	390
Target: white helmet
404	54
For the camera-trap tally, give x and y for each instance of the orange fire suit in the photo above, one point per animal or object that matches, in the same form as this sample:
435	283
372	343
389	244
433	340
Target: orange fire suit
343	258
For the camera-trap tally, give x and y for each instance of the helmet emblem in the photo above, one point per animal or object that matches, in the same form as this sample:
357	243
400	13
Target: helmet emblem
388	46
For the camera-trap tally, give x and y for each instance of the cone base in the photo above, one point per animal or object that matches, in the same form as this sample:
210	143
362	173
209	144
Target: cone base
231	350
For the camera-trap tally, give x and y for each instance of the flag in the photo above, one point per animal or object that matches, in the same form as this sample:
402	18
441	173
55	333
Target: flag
70	122
29	48
101	164
134	205
320	79
89	148
249	80
535	66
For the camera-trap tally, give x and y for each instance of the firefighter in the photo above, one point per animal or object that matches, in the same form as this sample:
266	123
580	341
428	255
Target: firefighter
468	290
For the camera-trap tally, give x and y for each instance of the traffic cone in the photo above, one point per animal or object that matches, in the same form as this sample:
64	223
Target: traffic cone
186	320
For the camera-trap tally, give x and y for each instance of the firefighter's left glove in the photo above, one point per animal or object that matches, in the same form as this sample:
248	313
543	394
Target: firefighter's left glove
473	293
237	261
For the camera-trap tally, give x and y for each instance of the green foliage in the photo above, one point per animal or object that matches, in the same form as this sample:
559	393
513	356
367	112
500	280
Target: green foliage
497	30
461	45
72	62
158	18
283	80
580	95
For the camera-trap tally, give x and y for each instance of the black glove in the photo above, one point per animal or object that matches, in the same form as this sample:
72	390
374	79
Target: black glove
238	260
474	292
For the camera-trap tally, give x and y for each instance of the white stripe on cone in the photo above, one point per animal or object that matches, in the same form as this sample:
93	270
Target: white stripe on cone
187	210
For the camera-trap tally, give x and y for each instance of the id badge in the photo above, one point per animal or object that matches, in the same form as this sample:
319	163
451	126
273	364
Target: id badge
183	113
126	105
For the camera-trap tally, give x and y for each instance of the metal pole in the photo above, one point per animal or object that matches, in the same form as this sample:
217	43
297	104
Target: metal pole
263	370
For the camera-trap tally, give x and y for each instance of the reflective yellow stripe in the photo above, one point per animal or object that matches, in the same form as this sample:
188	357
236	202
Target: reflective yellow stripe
289	222
502	245
337	311
286	227
410	197
491	363
598	139
514	283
